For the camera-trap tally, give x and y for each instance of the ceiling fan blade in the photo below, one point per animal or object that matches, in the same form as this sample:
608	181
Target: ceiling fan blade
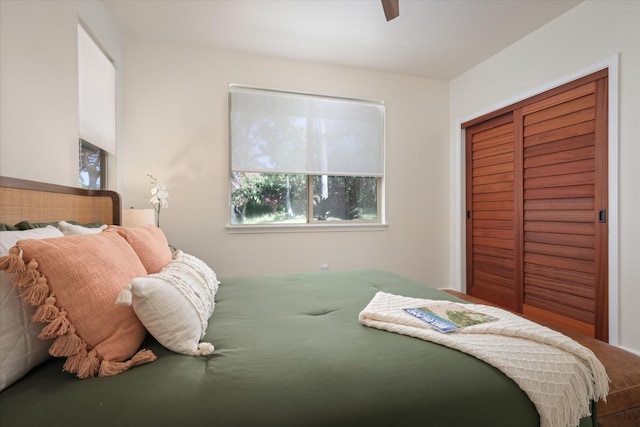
391	9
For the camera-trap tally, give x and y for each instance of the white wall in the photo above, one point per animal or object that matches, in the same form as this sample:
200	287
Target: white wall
172	123
176	128
39	86
587	34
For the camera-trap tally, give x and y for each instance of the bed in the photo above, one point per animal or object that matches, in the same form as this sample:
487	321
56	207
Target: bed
289	351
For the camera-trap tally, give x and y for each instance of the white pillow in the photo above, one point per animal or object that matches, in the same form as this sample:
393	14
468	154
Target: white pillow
175	304
20	348
68	229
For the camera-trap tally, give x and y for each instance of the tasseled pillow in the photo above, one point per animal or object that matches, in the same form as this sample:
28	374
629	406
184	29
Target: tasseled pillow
73	281
175	304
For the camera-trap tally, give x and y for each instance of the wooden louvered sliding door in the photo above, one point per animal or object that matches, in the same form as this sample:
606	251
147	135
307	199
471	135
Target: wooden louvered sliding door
565	202
491	196
537	205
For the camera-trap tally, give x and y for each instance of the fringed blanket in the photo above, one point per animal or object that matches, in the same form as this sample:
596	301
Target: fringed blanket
560	376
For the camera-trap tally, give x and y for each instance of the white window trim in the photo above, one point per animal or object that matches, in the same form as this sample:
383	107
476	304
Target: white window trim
313	227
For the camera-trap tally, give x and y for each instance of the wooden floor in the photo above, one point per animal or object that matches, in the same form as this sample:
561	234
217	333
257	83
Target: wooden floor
622	408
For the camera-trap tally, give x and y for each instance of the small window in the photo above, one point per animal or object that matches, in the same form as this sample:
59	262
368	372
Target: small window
96	93
300	158
96	110
92	166
260	198
345	198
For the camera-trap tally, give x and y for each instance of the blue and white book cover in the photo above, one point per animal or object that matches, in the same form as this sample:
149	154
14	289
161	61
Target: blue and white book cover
449	316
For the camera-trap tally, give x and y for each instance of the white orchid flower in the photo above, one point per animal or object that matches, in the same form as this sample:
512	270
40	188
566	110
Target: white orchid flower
159	197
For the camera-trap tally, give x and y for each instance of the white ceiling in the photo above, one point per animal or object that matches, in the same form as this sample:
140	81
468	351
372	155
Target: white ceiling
431	38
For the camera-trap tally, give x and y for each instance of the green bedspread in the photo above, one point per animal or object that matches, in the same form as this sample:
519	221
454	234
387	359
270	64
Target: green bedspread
289	352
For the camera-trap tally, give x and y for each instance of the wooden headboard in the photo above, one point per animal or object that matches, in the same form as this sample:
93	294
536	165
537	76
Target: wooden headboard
22	200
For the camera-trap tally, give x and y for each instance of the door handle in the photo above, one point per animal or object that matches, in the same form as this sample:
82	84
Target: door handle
602	215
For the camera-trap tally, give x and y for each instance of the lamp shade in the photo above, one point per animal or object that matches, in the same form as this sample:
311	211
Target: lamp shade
138	217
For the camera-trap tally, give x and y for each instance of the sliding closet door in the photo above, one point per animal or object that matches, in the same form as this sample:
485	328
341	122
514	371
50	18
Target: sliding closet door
536	197
493	220
565	202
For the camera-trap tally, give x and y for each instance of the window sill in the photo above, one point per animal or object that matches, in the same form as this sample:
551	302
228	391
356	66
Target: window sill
303	228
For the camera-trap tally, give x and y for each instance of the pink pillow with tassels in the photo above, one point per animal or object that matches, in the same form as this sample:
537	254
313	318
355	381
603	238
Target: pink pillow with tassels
149	243
74	281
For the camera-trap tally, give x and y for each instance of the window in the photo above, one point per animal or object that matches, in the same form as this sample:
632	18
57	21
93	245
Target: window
96	110
92	166
301	158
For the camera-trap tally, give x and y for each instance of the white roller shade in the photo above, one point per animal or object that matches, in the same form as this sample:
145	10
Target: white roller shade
97	94
283	132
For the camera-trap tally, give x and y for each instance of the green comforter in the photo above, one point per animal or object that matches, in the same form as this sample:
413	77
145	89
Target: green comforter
289	352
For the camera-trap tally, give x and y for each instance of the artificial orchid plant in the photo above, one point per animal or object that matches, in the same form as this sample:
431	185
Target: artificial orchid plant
159	197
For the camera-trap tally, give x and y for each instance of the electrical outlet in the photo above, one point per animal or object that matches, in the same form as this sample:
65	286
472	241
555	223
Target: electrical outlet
324	267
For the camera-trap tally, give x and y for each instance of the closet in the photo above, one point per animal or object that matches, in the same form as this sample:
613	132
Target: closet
536	201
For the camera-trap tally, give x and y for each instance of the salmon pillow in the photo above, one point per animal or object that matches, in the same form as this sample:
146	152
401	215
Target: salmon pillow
149	243
73	281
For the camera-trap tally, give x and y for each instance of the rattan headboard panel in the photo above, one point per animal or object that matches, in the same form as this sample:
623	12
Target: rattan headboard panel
22	200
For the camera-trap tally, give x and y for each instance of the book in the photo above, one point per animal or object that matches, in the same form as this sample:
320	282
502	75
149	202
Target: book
449	316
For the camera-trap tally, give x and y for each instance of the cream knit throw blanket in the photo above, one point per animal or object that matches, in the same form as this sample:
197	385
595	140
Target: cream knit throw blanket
559	375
